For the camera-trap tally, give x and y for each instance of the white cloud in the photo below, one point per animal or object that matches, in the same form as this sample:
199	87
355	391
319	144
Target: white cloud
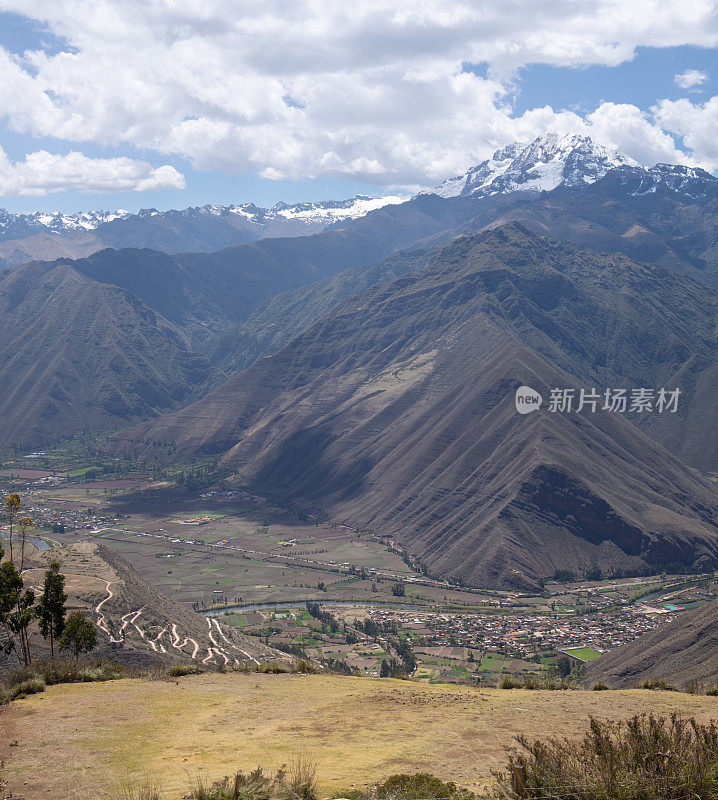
44	173
310	88
690	78
696	124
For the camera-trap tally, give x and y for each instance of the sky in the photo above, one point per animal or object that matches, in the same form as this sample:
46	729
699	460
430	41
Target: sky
135	104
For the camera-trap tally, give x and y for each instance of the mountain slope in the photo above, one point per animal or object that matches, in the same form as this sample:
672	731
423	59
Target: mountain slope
137	624
665	215
78	355
188	298
395	412
278	320
681	652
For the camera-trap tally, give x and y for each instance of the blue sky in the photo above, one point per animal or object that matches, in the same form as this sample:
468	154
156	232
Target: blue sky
124	107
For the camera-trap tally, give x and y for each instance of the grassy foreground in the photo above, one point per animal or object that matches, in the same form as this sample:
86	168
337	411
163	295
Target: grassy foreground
90	738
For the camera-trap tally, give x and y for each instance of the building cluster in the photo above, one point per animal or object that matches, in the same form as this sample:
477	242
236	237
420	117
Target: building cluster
525	636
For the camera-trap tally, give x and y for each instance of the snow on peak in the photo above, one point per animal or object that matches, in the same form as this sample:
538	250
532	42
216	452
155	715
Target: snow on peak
56	221
549	161
690	181
313	215
330	211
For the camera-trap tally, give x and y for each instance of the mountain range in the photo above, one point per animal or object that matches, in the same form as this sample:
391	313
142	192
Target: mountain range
368	370
48	236
395	413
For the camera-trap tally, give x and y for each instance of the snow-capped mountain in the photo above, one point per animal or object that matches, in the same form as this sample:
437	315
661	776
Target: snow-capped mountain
547	162
15	226
690	181
48	236
550	161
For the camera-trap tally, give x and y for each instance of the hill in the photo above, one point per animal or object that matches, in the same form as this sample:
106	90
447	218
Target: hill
79	354
395	413
682	652
360	730
137	624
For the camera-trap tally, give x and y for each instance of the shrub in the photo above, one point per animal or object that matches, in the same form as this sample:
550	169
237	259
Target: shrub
532	682
300	782
101	673
272	669
713	691
658	684
644	758
252	786
178	670
68	672
30	686
600	686
509	682
420	786
301	777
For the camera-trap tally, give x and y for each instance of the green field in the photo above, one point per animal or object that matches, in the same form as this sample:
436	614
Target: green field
583	653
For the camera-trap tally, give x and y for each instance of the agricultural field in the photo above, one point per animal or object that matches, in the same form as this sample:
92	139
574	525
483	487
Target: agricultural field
584	654
358	730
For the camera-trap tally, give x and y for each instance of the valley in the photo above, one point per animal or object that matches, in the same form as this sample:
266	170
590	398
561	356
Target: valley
231	554
358	400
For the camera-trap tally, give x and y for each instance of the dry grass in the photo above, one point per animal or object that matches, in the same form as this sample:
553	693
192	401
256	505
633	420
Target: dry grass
358	730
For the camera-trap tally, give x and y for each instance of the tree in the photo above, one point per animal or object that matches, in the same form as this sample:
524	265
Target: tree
12	507
79	635
25	524
20	620
10	588
563	667
398	589
51	608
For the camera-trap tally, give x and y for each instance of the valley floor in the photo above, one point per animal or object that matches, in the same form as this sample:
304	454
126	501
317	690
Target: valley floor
81	742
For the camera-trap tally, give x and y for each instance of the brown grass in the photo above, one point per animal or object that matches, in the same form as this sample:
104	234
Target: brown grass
359	730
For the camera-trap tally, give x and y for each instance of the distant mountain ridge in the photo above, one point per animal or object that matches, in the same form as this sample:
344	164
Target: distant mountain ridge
46	236
550	161
17	225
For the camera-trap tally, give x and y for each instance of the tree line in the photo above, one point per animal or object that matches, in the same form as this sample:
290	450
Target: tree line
19	608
